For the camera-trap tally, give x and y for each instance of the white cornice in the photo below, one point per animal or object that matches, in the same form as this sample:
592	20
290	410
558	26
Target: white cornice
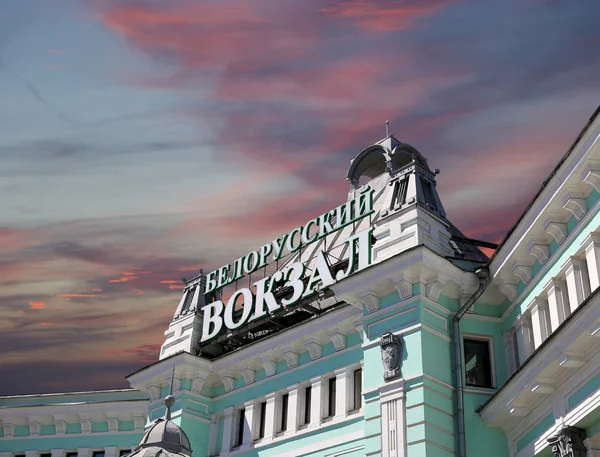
565	176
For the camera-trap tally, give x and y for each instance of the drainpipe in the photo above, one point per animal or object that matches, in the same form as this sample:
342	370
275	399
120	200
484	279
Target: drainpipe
482	274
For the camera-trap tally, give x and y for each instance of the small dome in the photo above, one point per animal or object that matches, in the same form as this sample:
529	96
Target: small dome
164	437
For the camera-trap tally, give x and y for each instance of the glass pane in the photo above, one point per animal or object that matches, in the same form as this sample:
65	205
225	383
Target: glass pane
357	389
478	371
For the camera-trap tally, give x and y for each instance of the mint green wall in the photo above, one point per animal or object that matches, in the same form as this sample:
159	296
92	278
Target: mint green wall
71	442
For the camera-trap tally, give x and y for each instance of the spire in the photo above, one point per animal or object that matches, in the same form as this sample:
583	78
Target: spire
387	129
170	399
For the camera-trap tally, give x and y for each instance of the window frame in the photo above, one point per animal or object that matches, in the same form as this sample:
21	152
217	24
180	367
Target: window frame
96	453
284	407
238	438
491	353
356	407
331	397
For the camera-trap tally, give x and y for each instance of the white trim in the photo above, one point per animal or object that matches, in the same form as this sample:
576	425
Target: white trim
66	435
412	309
556	257
490	340
347	451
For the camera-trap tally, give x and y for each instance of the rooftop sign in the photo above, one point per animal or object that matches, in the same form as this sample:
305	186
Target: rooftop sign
262	301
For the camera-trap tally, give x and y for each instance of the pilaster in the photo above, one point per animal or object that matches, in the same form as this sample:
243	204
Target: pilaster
591	245
270	415
316	402
227	431
540	321
577	281
293	408
524	336
111	451
558	302
84	452
341	392
393	419
248	437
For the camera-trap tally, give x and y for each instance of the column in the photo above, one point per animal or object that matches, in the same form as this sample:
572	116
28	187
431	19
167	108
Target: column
341	392
213	436
568	442
227	429
509	351
577	281
110	451
591	245
539	321
249	424
57	452
83	452
316	402
524	336
293	409
393	419
558	302
270	415
31	453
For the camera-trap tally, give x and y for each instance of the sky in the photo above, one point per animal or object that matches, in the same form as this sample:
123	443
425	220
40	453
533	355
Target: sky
143	140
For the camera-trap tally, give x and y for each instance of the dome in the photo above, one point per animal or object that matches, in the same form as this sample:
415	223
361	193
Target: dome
163	438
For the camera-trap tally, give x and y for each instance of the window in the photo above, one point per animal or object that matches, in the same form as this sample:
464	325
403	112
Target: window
307	401
124	452
98	454
478	367
331	397
240	427
284	411
516	349
188	300
428	193
262	418
357	388
71	454
46	454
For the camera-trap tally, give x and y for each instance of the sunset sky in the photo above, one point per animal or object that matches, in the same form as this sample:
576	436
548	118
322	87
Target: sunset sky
142	140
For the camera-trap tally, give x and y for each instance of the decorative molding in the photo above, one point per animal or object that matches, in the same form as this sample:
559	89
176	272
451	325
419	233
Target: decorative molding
270	366
197	384
228	382
524	272
34	428
557	230
176	385
315	349
138	423
510	290
577	206
86	423
290	357
592	178
154	391
391	355
568	442
113	423
9	430
540	251
371	302
404	289
359	330
433	290
338	338
61	426
248	373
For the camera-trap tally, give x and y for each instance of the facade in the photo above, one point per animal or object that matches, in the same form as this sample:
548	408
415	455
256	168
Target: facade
377	329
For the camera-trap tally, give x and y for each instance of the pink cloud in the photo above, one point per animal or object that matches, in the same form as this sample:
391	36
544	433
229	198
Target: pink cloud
385	16
37	305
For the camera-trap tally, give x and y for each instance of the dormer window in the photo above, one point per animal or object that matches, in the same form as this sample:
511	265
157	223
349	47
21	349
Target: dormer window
188	300
429	194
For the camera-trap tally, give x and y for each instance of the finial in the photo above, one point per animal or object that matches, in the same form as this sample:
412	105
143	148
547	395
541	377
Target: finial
387	128
170	399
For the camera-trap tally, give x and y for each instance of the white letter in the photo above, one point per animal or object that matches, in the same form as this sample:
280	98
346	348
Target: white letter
306	239
364	253
236	271
290	240
230	308
247	268
324	225
297	271
321	273
211	314
211	284
264	253
278	247
223	276
264	297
